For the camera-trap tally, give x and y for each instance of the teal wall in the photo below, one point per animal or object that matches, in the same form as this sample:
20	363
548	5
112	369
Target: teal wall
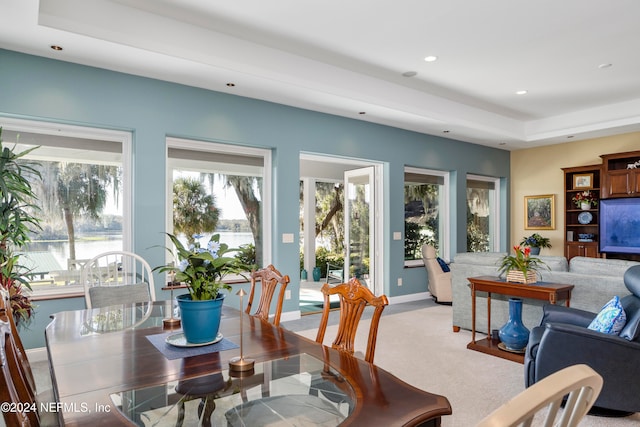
42	89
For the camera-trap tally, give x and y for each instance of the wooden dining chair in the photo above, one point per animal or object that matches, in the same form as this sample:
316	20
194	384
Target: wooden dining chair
576	387
269	278
354	297
15	388
16	342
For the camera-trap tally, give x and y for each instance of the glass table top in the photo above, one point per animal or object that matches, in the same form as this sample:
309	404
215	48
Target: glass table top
298	390
121	317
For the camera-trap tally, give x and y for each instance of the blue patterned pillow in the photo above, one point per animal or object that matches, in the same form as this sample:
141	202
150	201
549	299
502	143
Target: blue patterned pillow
443	264
611	318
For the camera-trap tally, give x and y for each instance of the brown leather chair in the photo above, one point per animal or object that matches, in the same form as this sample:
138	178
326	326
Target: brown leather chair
354	297
269	278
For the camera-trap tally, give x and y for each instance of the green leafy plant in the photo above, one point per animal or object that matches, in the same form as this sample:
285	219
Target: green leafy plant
536	241
17	220
203	269
521	260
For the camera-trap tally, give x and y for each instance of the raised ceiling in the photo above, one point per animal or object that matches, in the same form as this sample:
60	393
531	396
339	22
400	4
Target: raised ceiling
577	59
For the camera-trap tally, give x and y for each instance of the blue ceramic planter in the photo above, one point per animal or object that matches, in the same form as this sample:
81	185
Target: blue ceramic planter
316	274
200	319
514	335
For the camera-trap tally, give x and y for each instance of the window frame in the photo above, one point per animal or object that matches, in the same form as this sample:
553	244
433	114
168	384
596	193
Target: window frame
87	132
443	208
224	148
495	208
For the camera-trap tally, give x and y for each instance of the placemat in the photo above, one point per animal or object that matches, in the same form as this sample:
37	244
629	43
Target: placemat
171	352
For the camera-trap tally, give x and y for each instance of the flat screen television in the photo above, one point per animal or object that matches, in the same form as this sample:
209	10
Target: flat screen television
620	225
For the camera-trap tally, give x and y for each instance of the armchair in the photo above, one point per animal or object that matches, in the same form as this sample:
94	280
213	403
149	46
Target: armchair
439	281
563	339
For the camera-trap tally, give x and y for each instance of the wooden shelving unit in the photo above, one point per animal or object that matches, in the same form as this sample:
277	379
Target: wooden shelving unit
573	226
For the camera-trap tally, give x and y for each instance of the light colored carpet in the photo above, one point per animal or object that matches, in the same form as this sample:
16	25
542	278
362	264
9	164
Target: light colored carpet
419	347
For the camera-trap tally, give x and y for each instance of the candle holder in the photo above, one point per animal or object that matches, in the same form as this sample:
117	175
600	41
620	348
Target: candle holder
240	364
171	322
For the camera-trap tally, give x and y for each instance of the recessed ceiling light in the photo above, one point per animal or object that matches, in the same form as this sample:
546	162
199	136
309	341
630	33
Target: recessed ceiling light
362	112
569	136
409	73
521	92
56	47
446	131
430	58
606	65
231	84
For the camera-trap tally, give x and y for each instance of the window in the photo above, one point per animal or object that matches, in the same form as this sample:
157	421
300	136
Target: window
426	218
482	213
83	198
238	179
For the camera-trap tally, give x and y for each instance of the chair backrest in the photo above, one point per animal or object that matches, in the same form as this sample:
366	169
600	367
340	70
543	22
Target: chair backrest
269	278
582	385
16	384
117	277
354	297
430	258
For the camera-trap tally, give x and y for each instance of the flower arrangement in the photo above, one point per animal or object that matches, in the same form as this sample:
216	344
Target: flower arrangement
585	197
520	261
202	269
536	241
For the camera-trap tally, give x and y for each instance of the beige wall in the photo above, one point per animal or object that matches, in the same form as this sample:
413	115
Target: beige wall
538	171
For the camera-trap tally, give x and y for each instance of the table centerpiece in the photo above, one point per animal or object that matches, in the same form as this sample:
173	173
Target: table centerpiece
520	267
202	270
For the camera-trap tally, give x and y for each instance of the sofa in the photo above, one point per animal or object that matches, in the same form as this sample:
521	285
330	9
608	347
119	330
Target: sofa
596	281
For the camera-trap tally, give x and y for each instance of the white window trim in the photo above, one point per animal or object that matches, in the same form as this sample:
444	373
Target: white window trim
443	206
74	131
188	144
494	206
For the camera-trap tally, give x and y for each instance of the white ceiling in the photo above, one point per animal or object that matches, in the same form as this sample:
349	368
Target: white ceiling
347	57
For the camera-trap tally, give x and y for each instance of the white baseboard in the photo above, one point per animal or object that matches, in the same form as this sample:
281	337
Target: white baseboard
411	297
290	315
38	354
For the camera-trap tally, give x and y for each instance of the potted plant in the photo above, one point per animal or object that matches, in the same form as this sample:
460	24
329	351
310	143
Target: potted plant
536	242
17	219
584	200
520	267
202	270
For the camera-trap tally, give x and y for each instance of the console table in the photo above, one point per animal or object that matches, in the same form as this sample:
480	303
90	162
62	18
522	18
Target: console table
552	292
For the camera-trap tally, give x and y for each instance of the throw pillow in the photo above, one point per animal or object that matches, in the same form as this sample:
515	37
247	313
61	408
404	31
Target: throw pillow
611	318
443	265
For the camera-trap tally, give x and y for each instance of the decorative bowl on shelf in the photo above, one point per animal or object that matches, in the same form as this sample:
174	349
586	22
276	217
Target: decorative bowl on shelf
586	236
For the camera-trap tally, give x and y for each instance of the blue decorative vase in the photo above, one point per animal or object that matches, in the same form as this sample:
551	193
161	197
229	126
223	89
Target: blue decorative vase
200	319
514	335
303	275
316	274
535	251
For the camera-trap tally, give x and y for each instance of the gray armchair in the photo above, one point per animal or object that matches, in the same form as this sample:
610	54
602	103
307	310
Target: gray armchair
563	339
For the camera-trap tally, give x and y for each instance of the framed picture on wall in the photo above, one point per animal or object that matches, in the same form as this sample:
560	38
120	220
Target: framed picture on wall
539	212
582	181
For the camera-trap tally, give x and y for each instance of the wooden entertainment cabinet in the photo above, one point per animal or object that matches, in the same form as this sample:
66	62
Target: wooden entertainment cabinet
613	178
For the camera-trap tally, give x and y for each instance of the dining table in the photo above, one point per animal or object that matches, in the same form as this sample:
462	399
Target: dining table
122	365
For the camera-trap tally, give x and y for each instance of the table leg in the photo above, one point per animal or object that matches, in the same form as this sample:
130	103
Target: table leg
488	315
473	314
